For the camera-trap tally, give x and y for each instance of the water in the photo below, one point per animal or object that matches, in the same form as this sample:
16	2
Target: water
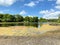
35	24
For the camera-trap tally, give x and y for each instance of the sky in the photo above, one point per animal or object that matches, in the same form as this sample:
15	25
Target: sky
49	9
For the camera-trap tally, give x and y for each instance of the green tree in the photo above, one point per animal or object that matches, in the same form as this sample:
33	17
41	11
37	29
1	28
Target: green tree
30	19
1	16
19	18
8	18
35	19
43	20
59	19
27	19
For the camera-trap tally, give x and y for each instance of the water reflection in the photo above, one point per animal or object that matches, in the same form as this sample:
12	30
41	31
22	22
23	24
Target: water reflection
22	24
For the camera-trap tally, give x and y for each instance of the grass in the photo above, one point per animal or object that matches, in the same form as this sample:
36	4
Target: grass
10	22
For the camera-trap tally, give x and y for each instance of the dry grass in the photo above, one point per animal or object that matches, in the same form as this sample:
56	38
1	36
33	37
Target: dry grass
26	30
47	27
18	35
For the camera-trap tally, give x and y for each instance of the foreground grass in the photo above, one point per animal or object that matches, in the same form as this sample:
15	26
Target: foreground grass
43	39
10	22
26	30
53	34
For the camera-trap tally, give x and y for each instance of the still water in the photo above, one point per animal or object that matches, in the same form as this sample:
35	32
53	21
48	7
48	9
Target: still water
22	24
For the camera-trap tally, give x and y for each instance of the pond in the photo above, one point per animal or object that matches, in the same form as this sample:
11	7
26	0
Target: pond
34	24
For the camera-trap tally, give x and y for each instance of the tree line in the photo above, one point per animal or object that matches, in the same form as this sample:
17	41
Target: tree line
50	20
17	18
20	18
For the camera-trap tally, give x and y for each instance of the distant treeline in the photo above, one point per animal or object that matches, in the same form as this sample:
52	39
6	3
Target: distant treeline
20	18
49	20
17	18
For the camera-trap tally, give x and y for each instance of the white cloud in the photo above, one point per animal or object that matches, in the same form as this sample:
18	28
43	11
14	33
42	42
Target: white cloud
46	11
7	2
58	4
23	12
57	1
50	14
57	7
31	4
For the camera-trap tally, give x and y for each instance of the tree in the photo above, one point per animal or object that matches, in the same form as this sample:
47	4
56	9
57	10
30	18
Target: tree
19	18
26	19
35	19
30	19
8	18
5	17
59	19
1	16
43	20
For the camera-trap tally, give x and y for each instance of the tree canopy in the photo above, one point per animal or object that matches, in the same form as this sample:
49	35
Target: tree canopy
20	18
17	18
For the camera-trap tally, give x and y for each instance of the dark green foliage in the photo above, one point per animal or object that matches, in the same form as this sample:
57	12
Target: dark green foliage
8	18
1	17
27	19
17	18
35	19
31	19
48	20
43	20
52	20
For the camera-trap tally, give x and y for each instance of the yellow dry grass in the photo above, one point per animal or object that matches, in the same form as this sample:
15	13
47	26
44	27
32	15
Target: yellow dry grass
26	30
47	27
17	31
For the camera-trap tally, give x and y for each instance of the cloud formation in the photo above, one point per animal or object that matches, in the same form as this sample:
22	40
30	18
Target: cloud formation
57	1
23	12
50	14
57	4
31	4
7	2
57	7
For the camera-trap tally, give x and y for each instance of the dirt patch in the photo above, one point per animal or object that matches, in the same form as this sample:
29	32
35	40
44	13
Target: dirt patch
29	40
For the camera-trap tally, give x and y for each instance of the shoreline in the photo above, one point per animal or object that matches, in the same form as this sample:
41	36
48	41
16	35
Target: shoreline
27	30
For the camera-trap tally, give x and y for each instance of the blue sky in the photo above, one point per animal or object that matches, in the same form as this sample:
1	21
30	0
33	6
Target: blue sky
42	8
